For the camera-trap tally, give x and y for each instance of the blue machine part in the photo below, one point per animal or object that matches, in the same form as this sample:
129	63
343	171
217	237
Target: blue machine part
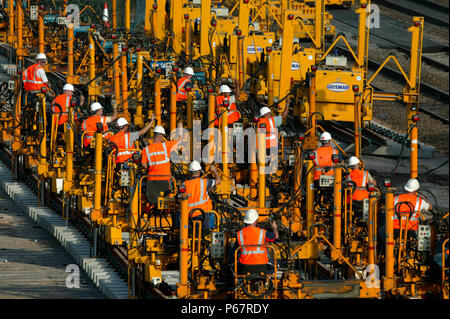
80	29
50	18
131	58
107	45
200	78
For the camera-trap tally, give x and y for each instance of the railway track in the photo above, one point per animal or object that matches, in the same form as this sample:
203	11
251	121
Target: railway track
427	89
382	38
117	256
431	11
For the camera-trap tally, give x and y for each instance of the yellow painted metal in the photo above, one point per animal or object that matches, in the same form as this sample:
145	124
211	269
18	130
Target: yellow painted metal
69	141
69	77
204	27
96	212
296	225
319	24
363	35
183	285
173	105
41	33
116	72
187	37
270	76
286	61
92	84
372	228
243	17
114	16
309	196
388	282
11	33
43	165
128	16
190	124
261	168
211	116
176	7
157	100
20	35
124	83
337	211
357	124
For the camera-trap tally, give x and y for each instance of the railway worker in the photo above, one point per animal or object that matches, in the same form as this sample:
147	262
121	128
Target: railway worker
414	200
323	164
90	124
124	139
34	77
360	178
198	188
156	161
61	103
233	113
271	122
181	84
254	259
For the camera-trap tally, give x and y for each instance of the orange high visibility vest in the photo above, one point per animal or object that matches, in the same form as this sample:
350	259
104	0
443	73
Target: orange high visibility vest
252	255
416	201
63	102
233	114
271	131
199	198
31	81
157	156
90	124
360	178
323	160
181	92
123	142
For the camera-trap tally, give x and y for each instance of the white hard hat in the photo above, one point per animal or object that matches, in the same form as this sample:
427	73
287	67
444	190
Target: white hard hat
68	87
41	56
325	136
122	122
194	166
224	89
251	216
263	111
412	185
96	106
159	129
189	71
353	161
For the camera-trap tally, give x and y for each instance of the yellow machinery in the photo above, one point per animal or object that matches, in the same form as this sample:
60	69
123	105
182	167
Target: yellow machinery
273	54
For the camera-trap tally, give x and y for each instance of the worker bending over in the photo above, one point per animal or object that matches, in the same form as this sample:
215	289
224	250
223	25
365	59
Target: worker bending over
197	188
124	139
233	113
90	124
418	203
181	84
156	160
323	164
254	259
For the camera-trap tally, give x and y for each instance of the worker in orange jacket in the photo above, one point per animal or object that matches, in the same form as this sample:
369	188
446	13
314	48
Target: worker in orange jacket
124	139
34	77
360	178
254	259
181	84
418	203
90	124
271	123
156	161
233	113
197	188
323	164
61	103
